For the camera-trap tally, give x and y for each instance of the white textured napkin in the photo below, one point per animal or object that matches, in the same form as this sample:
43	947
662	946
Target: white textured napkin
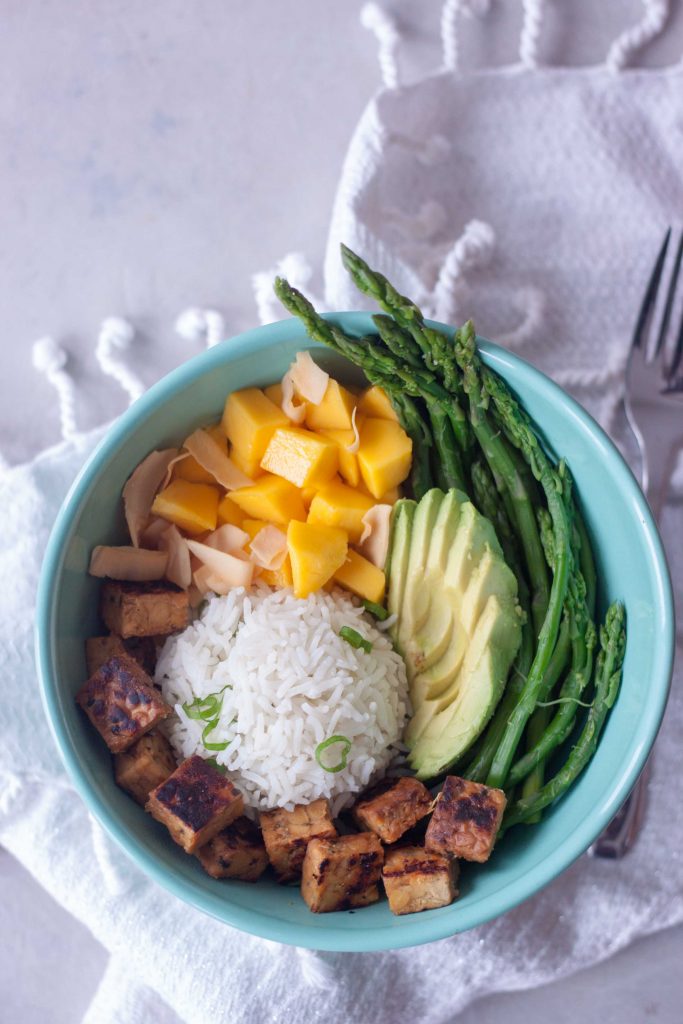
533	202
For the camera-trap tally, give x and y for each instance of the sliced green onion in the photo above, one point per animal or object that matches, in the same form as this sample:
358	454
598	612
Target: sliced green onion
376	609
214	764
208	729
204	708
319	750
353	637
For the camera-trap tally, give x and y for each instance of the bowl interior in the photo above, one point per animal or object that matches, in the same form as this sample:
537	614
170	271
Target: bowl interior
631	567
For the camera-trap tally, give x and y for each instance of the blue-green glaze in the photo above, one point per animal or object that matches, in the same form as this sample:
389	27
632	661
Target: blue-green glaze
631	566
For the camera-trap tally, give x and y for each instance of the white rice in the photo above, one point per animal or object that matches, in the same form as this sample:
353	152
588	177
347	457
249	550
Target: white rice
291	682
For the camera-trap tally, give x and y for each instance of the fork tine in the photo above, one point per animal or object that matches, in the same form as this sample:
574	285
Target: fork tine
650	294
670	295
677	354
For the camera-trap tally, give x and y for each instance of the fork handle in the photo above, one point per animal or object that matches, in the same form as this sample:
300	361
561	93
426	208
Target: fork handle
621	833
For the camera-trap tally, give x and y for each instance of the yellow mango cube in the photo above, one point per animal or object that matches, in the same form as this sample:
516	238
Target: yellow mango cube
250	419
375	402
278	578
192	507
316	553
384	455
348	461
218	434
249	465
272	499
229	512
253	526
274	393
189	469
361	577
389	498
334	412
302	457
336	504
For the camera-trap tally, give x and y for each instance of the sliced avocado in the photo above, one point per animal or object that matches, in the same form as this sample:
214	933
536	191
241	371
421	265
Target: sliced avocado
399	550
474	535
429	643
436	678
416	596
458	623
491	576
497	630
445	529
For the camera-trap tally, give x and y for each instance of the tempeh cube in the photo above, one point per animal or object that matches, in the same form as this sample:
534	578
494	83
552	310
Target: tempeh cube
287	834
466	820
99	649
342	873
415	879
236	852
144	766
195	803
144	609
393	807
121	702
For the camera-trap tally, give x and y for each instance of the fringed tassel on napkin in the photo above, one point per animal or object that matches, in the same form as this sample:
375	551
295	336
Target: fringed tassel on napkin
115	338
380	22
633	39
450	36
531	32
201	325
50	360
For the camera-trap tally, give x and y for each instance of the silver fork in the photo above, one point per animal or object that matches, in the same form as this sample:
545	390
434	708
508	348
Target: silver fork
654	406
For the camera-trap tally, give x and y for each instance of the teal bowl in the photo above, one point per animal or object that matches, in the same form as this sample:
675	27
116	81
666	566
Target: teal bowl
631	567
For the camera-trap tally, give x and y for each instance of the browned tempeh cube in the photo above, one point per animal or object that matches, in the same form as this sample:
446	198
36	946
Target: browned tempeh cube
144	766
121	702
99	649
415	879
195	803
144	650
236	852
287	834
144	609
466	819
342	873
393	807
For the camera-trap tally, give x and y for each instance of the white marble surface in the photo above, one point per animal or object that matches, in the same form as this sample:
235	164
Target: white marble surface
154	155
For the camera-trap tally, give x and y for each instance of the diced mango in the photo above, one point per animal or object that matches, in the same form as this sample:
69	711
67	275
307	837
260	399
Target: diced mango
308	494
189	469
218	435
279	578
271	498
229	512
274	393
250	419
376	403
253	526
384	455
334	412
348	461
389	498
361	577
336	504
192	507
249	465
316	552
300	456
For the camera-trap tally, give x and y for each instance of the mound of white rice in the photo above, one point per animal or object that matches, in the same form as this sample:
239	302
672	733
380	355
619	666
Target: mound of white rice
288	682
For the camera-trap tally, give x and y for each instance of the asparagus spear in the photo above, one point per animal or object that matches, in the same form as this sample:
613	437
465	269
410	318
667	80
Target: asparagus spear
431	343
519	432
608	678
